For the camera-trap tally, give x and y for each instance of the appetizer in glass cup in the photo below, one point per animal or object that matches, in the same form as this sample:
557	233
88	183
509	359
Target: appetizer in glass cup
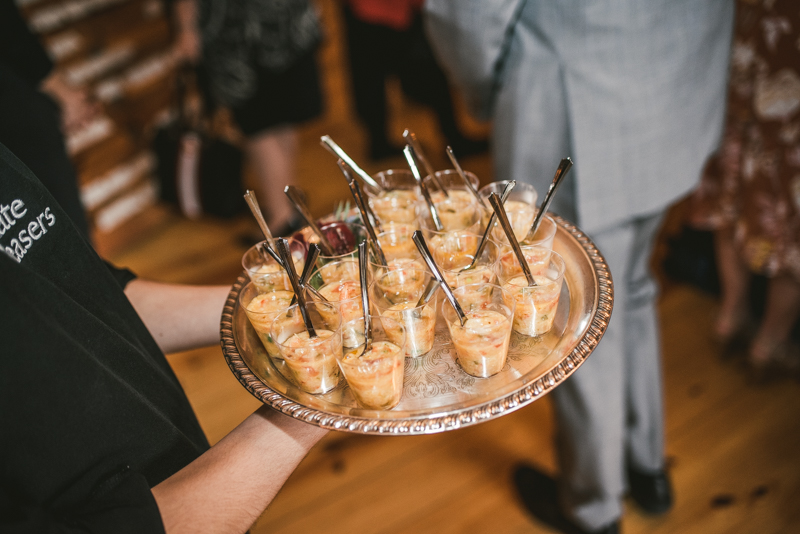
535	305
520	208
396	242
483	340
454	251
311	360
455	186
345	295
265	272
396	295
261	309
375	377
337	271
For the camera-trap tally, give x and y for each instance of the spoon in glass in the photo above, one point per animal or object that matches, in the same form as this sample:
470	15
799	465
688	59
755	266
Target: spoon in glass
373	237
286	257
376	223
561	173
250	198
337	151
463	176
497	205
411	139
485	238
362	274
296	197
419	240
408	151
311	260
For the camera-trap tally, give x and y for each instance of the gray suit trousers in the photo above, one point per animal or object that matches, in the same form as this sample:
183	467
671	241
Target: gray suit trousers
610	411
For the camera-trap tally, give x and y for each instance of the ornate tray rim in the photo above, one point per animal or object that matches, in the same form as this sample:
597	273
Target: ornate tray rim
452	420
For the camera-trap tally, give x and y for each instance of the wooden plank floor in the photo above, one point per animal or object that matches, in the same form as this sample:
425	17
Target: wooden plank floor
733	448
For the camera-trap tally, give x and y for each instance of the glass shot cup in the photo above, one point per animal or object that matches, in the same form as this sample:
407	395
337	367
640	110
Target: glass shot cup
454	185
311	361
261	309
376	377
345	295
265	272
455	213
395	296
482	342
377	270
544	237
535	305
396	242
520	207
456	250
508	267
337	271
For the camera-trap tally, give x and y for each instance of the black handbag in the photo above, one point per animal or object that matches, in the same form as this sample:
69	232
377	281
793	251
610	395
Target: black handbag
198	172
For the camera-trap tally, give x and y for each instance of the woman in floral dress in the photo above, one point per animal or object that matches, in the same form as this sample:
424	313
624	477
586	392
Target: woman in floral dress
750	193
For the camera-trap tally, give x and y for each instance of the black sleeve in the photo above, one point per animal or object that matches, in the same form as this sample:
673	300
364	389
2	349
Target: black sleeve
20	49
127	508
122	276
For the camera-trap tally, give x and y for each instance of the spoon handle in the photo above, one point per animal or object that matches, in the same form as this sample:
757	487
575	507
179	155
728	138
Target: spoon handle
376	223
561	172
485	237
296	198
308	268
250	198
497	205
288	264
428	292
373	237
460	171
362	273
337	151
408	151
419	240
411	139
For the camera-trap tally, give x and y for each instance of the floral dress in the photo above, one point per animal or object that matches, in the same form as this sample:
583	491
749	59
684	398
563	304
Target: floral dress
752	184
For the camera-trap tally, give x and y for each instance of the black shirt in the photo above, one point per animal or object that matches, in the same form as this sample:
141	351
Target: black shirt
91	415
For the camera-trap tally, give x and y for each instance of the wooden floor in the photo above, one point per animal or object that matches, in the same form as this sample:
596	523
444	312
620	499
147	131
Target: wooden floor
733	448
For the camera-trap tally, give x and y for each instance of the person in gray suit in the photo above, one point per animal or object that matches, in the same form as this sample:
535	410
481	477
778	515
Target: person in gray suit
634	92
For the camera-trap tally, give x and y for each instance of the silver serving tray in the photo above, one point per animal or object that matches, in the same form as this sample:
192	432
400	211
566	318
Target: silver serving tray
437	395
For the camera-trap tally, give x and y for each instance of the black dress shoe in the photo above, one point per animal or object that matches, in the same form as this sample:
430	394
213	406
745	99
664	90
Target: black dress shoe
652	492
539	494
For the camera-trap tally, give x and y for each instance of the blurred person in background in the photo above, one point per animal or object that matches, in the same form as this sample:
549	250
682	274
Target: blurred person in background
38	107
750	191
258	60
386	38
633	91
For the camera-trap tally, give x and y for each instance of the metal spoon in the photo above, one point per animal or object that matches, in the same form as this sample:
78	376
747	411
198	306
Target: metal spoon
376	223
286	257
411	139
337	151
408	151
463	176
308	268
296	196
362	274
497	205
419	240
250	198
485	238
561	172
428	292
373	237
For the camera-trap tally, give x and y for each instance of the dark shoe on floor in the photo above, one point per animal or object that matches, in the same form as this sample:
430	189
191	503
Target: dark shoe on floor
652	492
539	494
